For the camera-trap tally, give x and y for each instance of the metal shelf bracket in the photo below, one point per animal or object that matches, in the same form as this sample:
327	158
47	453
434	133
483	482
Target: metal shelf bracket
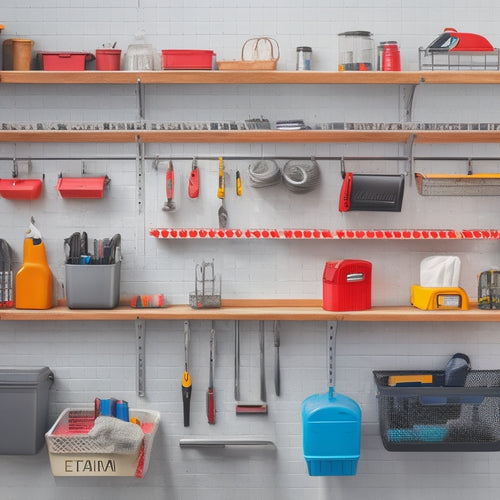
406	94
139	175
140	336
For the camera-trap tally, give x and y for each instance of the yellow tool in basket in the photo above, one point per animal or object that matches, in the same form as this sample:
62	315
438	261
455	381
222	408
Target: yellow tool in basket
433	298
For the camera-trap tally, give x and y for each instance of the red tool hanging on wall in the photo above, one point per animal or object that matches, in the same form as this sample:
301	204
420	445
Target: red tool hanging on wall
194	180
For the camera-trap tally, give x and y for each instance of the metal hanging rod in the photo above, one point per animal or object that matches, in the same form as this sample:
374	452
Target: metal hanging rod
247	157
66	158
457	158
279	157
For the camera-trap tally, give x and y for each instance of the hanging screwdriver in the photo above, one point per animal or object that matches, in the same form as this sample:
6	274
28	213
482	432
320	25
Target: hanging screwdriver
238	183
186	378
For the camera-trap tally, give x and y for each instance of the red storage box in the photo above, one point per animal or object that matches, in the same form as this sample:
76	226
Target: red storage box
347	285
81	187
20	189
187	59
65	61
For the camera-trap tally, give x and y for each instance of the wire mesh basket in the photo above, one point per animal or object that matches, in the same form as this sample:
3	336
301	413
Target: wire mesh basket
459	60
437	418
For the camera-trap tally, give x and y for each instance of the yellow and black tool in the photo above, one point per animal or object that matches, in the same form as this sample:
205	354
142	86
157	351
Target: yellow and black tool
186	378
238	183
221	192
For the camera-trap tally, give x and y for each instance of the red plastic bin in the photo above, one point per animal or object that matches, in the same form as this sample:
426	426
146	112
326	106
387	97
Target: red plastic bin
187	59
65	61
107	59
20	189
81	187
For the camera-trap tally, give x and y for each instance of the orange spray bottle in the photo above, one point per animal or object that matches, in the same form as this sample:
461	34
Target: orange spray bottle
34	281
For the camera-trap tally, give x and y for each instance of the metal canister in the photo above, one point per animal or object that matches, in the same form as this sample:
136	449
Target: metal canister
304	58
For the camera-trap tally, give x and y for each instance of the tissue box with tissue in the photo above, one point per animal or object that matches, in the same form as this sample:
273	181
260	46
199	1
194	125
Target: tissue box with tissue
438	289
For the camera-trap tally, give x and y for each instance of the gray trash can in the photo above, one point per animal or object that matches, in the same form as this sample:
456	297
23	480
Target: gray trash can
24	414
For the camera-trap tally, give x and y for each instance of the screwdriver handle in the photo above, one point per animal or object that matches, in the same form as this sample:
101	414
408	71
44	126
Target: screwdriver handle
186	397
221	189
238	183
211	406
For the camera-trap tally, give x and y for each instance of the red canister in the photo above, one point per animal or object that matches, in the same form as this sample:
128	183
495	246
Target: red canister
391	58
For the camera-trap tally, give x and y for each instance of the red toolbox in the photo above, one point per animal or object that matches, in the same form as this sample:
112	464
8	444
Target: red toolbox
65	61
347	285
187	59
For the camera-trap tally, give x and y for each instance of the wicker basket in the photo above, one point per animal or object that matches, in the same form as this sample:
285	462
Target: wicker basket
257	54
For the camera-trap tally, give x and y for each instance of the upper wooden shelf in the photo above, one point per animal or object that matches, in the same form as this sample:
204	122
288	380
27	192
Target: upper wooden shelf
286	310
251	77
251	136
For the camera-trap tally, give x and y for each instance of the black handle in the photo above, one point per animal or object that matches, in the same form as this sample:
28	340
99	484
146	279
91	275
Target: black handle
186	400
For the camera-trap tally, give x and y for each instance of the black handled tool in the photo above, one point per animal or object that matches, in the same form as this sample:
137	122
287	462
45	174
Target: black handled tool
210	392
186	378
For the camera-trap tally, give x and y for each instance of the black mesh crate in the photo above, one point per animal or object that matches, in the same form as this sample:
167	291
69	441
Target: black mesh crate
437	418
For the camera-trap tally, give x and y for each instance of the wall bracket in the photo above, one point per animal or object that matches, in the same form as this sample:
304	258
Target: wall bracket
140	336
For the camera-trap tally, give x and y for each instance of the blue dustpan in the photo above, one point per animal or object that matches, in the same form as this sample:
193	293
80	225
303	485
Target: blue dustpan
331	429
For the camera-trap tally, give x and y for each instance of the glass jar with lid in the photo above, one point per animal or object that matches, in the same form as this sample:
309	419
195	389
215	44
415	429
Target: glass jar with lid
356	51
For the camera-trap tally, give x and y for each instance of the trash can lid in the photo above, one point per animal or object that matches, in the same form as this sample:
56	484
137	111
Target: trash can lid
18	375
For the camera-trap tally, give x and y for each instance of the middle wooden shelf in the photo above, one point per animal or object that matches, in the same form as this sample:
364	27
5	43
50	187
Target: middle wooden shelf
250	136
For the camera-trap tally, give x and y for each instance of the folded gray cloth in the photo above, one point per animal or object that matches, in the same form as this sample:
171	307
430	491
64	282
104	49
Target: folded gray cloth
116	436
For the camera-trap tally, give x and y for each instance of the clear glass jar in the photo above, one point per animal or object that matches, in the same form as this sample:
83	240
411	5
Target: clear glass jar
356	51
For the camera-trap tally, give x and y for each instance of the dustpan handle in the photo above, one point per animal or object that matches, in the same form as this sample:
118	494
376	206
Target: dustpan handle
331	339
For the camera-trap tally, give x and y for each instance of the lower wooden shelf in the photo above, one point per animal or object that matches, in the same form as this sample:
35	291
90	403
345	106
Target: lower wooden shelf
240	309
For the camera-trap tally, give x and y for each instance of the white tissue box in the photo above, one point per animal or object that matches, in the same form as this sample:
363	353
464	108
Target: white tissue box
72	452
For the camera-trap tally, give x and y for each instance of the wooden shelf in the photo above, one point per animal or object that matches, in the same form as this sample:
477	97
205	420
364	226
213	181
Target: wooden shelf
286	310
249	136
251	77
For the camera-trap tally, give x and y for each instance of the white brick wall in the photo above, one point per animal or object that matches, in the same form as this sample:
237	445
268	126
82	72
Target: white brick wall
95	359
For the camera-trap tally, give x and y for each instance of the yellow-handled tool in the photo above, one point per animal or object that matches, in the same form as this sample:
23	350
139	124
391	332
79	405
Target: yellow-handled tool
186	378
221	190
222	213
238	183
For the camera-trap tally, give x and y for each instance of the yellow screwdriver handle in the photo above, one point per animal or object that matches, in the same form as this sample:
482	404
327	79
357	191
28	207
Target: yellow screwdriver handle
238	183
221	190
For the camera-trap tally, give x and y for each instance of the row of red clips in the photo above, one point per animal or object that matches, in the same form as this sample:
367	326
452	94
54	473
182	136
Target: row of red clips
325	234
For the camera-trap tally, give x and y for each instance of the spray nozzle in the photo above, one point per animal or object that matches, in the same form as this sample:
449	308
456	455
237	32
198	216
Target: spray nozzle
33	232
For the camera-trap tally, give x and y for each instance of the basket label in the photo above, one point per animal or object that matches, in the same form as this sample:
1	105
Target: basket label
86	466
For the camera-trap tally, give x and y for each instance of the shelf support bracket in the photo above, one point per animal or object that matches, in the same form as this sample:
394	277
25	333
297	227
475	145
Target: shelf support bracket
139	160
140	99
411	160
140	336
331	341
406	93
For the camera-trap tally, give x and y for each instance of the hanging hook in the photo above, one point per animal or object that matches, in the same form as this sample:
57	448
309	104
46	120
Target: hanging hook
15	168
156	162
342	167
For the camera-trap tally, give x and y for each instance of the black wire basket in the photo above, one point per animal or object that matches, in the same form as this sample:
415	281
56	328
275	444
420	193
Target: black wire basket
437	418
